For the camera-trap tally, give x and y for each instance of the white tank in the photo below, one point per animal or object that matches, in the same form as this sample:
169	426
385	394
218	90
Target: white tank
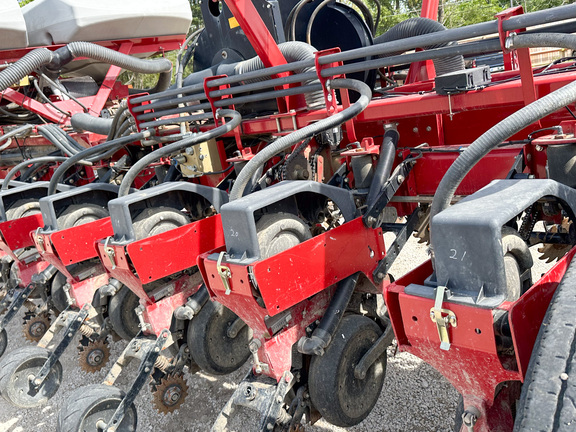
52	22
12	25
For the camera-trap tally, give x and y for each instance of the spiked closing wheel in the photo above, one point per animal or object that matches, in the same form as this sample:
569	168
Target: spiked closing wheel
94	356
35	326
170	393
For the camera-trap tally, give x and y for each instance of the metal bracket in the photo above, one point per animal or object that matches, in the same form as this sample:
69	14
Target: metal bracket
224	272
374	353
372	215
75	322
110	252
442	322
261	394
144	371
16	304
395	248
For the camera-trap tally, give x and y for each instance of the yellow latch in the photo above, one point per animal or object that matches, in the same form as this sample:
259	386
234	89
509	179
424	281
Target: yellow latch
443	318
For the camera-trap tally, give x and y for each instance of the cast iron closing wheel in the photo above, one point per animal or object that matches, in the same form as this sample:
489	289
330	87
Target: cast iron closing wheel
212	347
23	207
121	313
15	370
3	341
89	405
35	326
337	394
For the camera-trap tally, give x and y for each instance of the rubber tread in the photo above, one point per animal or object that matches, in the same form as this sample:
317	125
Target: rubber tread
15	359
81	400
548	402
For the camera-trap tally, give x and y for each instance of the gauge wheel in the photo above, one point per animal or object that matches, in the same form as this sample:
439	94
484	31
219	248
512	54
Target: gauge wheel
15	371
88	407
121	313
337	394
211	346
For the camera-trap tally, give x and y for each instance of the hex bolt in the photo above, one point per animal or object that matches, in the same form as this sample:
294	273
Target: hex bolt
156	349
380	275
269	426
147	370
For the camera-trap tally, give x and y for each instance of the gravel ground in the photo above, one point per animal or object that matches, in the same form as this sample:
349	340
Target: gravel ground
415	397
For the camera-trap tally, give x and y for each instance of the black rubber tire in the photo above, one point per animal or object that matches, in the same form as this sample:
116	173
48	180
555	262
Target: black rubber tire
157	220
86	405
517	259
23	207
337	394
59	301
280	231
121	313
547	402
3	341
79	214
14	371
210	347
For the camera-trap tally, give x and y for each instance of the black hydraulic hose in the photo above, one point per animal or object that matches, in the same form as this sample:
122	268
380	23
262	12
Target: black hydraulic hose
385	163
24	66
109	147
509	126
121	114
162	84
234	121
44	160
322	335
309	131
423	26
69	52
90	123
61	143
482	29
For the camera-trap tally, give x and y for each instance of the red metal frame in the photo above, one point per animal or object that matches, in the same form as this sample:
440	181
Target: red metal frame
147	260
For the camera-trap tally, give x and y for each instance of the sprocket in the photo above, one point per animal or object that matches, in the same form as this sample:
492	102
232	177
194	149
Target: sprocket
170	393
35	326
94	355
551	252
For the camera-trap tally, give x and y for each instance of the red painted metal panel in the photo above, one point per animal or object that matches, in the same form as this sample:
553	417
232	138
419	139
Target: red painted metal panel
83	292
16	233
310	267
175	294
48	254
26	271
175	250
78	243
526	314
